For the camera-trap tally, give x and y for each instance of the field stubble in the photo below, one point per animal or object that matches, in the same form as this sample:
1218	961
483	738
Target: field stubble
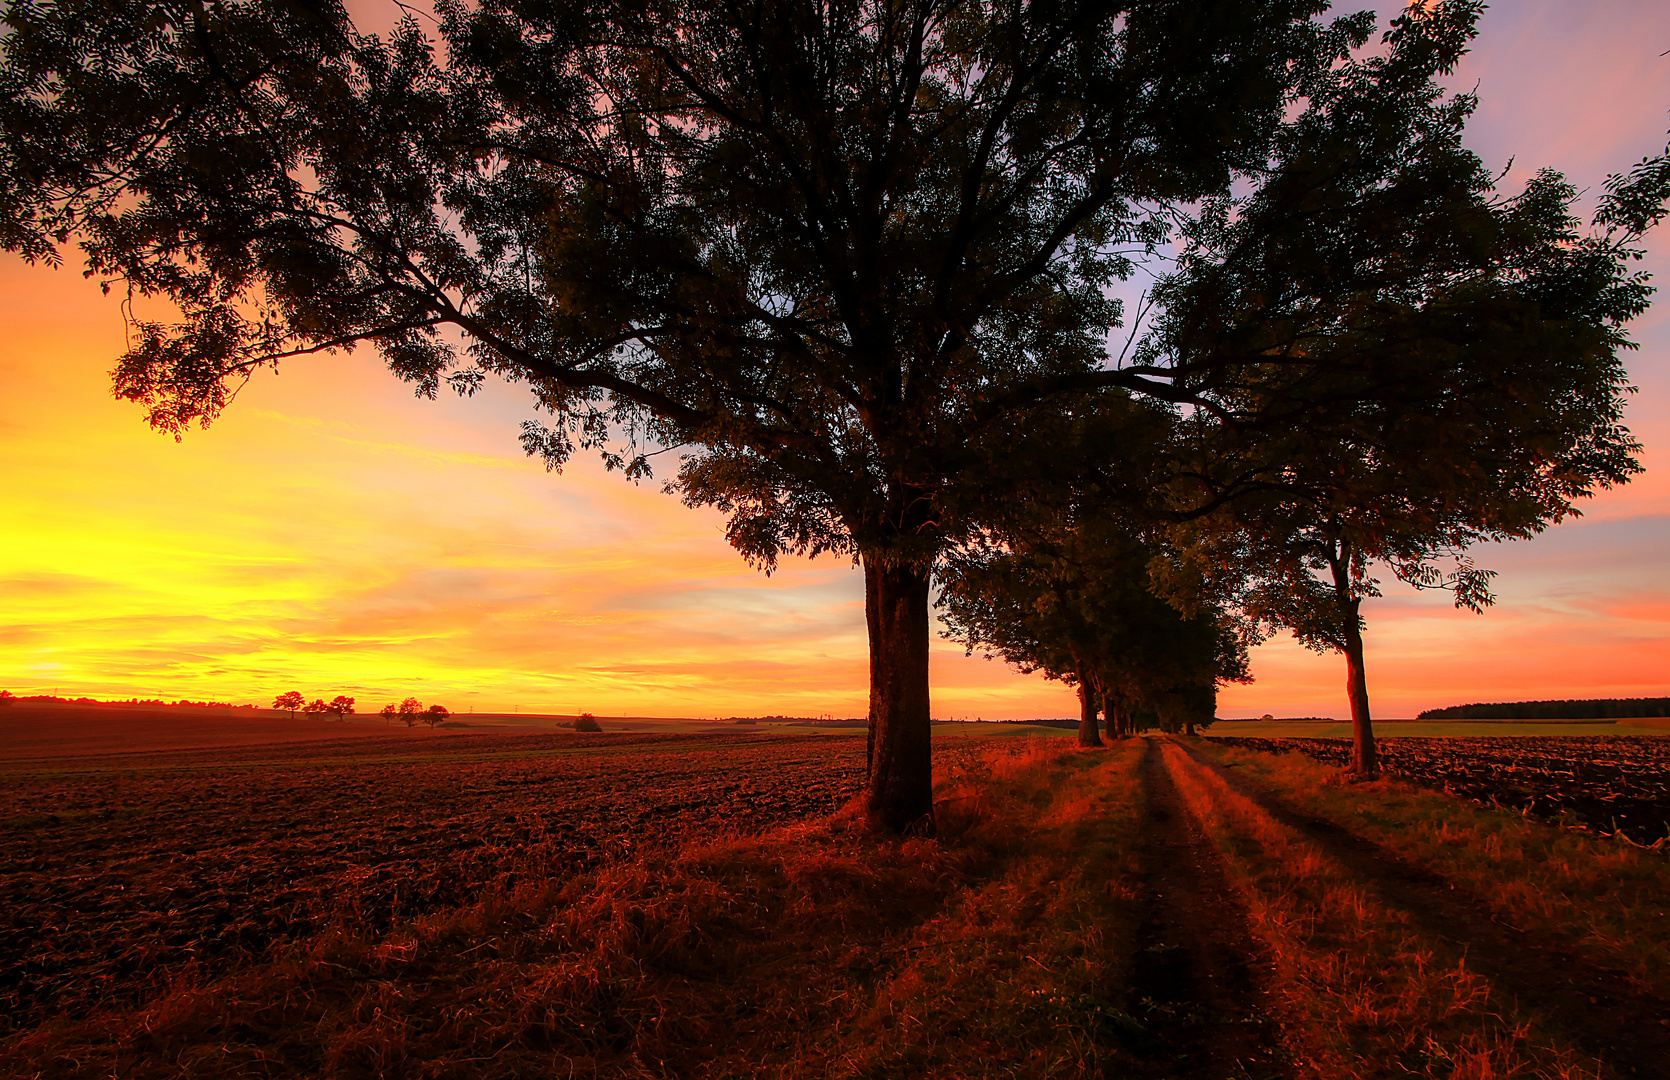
811	948
1609	783
185	865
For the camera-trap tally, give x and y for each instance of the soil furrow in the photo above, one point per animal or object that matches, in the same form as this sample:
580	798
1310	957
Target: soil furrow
1598	1008
1198	988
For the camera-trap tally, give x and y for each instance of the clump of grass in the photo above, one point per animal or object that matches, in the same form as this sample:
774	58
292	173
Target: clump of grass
1387	1000
1607	896
814	950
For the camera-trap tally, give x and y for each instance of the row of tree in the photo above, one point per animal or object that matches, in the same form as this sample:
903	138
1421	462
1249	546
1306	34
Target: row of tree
293	701
858	260
411	711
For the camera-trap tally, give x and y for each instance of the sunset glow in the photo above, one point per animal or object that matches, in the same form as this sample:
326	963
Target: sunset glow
334	534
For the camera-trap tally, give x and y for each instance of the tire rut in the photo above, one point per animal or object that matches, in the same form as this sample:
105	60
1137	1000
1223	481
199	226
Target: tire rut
1197	989
1594	1006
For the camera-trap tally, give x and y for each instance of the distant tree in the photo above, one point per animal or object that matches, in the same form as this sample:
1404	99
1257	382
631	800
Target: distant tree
317	706
290	701
410	710
342	706
587	722
436	715
1081	603
6	697
389	712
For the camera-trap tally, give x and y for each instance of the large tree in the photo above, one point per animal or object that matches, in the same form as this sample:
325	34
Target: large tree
833	248
1430	363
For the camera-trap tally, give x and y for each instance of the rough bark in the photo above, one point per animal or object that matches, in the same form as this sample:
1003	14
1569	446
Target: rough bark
1363	757
1088	702
899	790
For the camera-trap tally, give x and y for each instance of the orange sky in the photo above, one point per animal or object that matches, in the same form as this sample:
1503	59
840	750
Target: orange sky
332	534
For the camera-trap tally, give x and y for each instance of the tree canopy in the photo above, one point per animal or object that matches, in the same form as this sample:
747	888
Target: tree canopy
1438	363
840	253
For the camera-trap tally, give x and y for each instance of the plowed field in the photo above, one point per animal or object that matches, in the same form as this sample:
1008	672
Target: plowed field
1613	782
125	871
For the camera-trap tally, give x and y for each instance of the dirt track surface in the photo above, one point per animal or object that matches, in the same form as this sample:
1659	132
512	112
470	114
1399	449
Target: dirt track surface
1606	781
1200	982
1598	1008
134	868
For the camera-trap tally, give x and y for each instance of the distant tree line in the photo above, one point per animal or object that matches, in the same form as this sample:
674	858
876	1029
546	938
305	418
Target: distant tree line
7	698
1586	709
810	721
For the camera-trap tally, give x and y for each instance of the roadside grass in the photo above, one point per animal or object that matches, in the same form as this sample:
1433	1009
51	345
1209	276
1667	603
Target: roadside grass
1610	898
1383	1000
996	948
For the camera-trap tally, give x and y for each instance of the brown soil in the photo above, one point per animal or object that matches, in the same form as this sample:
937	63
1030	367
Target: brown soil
1608	782
1599	1009
1200	986
122	878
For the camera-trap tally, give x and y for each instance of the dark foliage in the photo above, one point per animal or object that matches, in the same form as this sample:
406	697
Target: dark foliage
1587	709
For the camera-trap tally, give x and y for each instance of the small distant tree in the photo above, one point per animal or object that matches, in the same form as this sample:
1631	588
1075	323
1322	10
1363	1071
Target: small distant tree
6	697
342	706
587	722
436	715
410	710
389	712
289	702
317	706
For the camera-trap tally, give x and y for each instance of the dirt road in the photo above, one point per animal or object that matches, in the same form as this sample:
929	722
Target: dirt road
1201	983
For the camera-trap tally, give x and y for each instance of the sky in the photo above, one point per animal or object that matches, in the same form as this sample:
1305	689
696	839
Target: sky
333	534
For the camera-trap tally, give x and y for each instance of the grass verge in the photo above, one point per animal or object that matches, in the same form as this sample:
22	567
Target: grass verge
1383	1000
1611	899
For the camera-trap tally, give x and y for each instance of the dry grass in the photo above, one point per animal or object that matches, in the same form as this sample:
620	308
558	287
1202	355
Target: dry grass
814	950
1610	897
1386	1001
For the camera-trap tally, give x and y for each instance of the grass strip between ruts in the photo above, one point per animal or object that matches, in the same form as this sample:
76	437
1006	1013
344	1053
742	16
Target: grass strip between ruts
1385	1000
1608	897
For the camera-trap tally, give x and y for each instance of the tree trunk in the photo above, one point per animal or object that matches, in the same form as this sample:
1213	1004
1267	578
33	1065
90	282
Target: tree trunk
1088	736
899	791
1364	760
1189	725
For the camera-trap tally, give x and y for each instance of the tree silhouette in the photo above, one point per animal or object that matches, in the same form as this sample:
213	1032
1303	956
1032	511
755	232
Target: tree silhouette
1439	363
291	701
410	711
388	712
436	715
342	706
831	250
1080	602
835	251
